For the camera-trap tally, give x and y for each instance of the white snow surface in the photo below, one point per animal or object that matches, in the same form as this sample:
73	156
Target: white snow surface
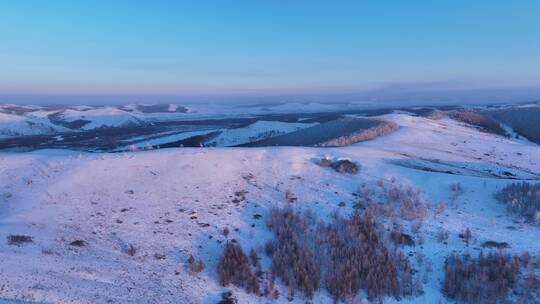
165	139
100	117
17	125
256	131
160	202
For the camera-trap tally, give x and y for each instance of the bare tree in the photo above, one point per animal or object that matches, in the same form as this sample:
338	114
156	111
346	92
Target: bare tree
486	279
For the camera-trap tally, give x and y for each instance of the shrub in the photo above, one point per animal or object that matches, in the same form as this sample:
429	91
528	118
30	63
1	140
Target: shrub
19	240
254	258
401	238
131	250
456	190
441	207
494	244
269	285
255	262
466	235
78	243
408	201
486	279
227	298
293	257
339	165
253	284
442	235
233	266
195	266
269	248
416	226
525	258
522	199
364	197
532	281
47	251
290	197
345	166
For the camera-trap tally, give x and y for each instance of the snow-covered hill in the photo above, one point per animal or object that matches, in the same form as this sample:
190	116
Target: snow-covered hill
257	131
84	212
107	117
33	120
42	120
13	125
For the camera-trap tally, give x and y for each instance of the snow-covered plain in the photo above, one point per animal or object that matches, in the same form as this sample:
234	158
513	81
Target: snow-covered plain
173	203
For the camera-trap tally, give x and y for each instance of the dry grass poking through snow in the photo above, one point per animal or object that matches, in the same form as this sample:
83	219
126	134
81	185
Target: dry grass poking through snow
392	200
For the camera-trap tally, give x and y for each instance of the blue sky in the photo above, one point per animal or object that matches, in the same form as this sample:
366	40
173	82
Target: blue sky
229	49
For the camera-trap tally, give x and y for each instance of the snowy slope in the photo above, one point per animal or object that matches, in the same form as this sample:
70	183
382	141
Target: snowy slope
33	120
18	125
256	131
160	140
172	203
83	117
106	117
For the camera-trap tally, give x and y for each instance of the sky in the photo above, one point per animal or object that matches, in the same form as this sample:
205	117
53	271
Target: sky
96	51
